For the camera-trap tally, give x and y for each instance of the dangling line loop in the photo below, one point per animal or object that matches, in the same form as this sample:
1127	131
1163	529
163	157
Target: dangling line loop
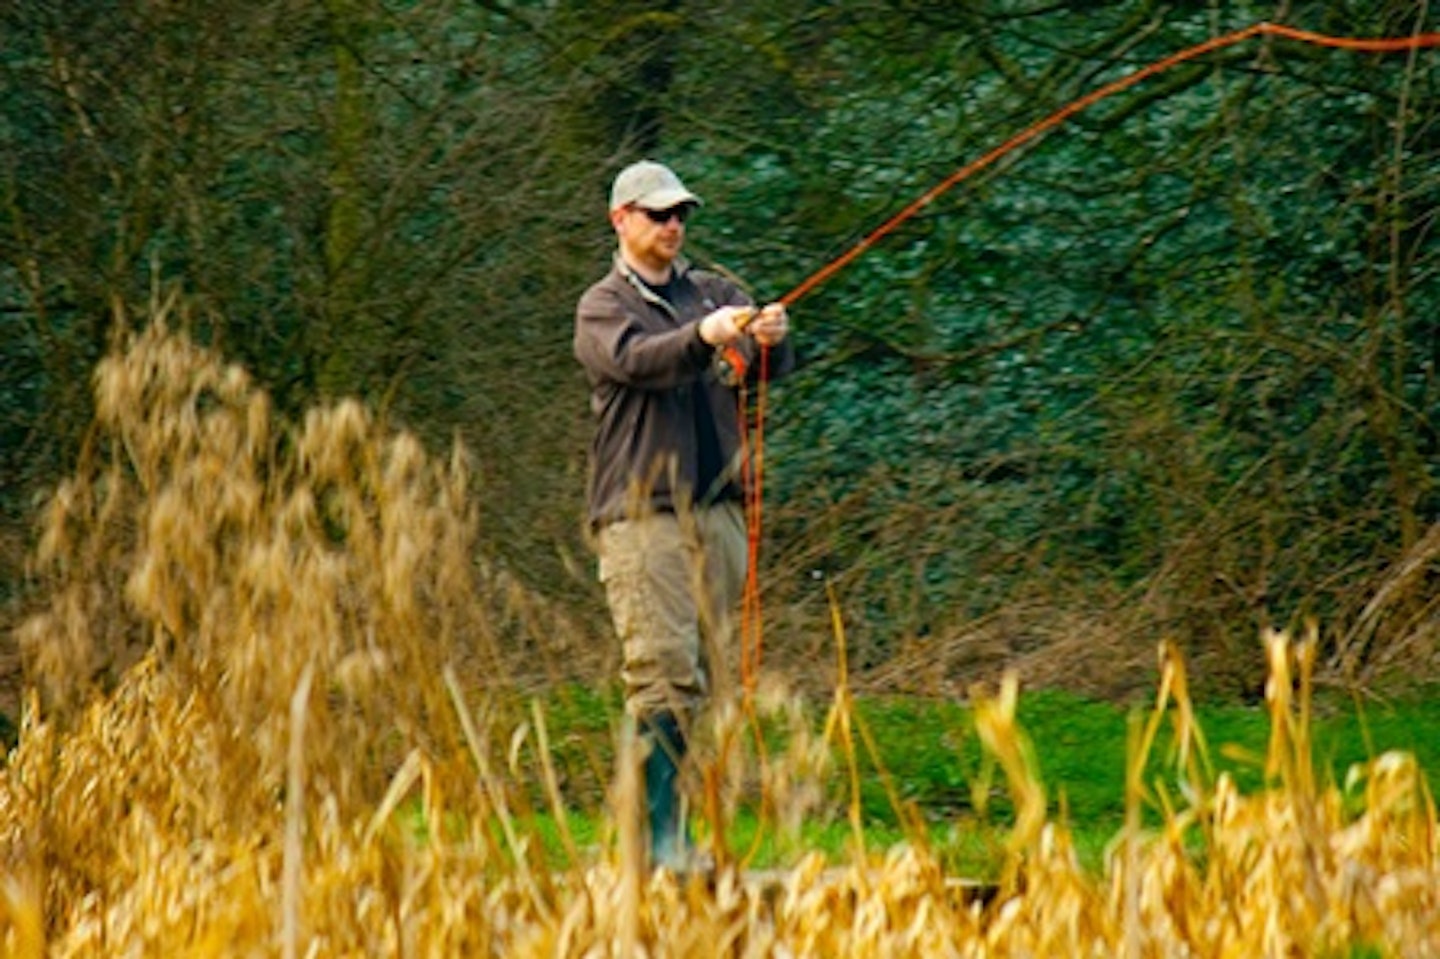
752	443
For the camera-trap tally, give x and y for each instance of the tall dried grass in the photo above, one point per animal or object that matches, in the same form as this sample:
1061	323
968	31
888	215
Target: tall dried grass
251	736
238	556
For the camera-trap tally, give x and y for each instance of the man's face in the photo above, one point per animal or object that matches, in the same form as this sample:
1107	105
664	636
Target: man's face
652	237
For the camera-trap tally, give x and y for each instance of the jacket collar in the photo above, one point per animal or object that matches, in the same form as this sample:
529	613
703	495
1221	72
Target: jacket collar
680	267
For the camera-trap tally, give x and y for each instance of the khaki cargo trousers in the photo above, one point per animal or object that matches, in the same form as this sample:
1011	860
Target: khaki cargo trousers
673	582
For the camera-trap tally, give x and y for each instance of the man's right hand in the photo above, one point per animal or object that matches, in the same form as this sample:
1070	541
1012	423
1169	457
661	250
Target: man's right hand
725	325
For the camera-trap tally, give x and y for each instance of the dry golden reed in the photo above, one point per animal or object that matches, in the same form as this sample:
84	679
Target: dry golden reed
261	727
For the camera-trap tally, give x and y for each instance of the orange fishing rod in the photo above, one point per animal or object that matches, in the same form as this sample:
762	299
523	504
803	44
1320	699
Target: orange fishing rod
1378	45
750	614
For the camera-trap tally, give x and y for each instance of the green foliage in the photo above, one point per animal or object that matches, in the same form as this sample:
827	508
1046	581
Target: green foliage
1153	355
1170	370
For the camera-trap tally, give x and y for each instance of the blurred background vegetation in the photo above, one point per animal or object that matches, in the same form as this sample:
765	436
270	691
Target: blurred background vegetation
1168	371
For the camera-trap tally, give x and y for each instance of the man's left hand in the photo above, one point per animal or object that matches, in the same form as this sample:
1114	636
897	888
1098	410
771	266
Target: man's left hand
770	325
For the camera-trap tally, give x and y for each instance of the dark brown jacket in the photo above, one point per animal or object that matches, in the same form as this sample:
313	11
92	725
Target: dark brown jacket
645	361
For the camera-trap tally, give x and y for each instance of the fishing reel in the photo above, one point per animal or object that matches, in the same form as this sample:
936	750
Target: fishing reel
730	364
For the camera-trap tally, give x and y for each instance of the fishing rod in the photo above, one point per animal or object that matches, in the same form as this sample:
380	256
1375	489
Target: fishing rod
750	615
1034	131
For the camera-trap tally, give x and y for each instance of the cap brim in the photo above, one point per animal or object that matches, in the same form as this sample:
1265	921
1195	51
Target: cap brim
665	199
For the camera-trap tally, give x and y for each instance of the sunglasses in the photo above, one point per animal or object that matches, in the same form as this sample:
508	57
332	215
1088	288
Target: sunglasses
681	213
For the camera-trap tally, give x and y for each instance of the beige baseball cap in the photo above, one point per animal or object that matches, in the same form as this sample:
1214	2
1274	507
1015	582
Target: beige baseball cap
651	185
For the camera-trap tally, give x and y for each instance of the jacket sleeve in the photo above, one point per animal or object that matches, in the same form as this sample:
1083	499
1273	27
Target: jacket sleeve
614	345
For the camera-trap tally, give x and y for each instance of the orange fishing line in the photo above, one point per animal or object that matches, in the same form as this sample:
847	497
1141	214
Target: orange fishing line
752	444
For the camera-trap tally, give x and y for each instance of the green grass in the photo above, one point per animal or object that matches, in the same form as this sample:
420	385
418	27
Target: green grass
931	765
1081	749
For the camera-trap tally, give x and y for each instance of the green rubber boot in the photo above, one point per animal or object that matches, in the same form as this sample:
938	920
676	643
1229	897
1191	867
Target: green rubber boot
670	846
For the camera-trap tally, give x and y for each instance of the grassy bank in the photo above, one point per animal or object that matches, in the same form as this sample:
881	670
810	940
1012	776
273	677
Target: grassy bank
928	776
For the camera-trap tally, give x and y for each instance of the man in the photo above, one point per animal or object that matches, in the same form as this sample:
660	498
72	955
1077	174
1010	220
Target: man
661	343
